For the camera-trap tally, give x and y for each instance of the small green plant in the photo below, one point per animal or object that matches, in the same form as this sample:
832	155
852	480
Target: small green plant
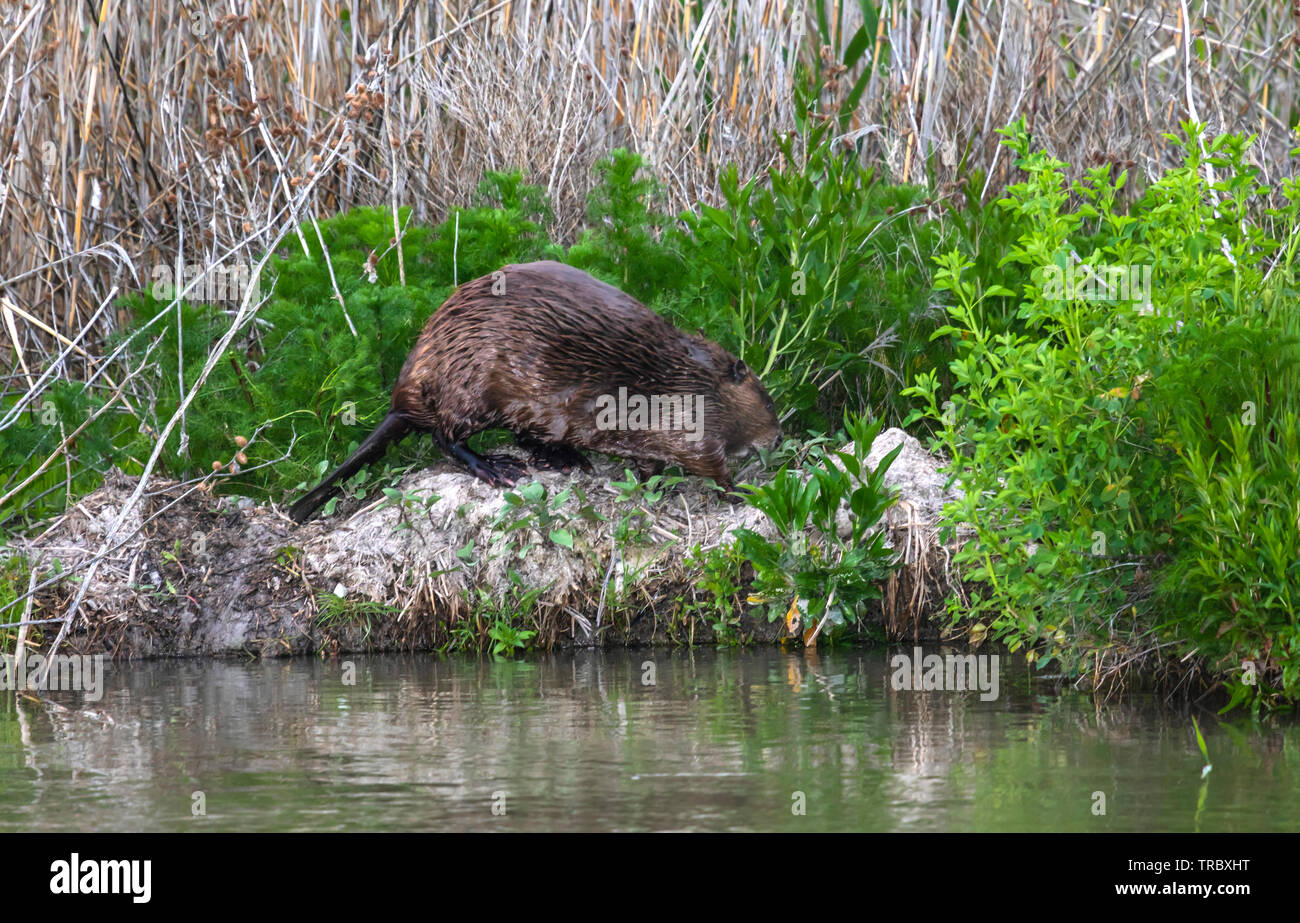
530	508
507	617
819	567
406	501
507	638
338	612
635	498
715	594
461	636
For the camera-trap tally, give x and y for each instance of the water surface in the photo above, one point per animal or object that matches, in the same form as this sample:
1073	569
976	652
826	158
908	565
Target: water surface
722	740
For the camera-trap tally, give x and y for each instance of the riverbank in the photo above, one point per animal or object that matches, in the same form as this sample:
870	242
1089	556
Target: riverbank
1100	336
192	574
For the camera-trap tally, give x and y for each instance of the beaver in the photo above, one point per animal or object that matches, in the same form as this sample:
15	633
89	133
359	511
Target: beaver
566	362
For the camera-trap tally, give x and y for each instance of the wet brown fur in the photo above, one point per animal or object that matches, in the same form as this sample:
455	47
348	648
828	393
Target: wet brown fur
531	348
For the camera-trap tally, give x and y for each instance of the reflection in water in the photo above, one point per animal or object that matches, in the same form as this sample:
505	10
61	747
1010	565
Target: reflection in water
725	740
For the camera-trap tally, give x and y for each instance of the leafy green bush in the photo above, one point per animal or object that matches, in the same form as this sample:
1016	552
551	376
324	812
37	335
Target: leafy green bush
625	241
1086	435
36	434
1234	586
718	605
802	275
506	225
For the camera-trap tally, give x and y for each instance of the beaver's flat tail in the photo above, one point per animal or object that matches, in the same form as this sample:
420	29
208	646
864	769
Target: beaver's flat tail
393	428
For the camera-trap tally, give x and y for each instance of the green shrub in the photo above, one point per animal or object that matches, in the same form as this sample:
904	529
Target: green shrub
1086	436
625	241
506	225
37	433
1234	586
802	275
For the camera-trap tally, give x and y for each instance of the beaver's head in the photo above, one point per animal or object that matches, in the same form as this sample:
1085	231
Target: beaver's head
748	417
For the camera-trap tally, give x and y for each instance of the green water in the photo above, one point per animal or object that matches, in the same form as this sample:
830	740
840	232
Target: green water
726	740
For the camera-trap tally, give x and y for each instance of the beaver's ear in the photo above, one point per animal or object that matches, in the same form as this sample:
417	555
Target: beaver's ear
738	370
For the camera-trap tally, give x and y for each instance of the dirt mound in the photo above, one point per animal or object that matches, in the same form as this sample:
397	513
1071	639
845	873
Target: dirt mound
193	574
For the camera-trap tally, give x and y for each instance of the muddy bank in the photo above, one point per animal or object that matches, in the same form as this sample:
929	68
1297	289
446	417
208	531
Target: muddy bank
193	574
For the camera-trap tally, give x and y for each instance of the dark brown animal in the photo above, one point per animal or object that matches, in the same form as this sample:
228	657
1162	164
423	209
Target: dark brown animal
551	354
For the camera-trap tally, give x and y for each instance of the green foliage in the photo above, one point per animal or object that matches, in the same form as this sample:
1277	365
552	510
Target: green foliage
506	617
507	639
506	225
801	274
36	435
15	574
337	612
714	598
1090	436
1234	586
407	501
635	499
624	242
985	232
814	273
530	510
826	574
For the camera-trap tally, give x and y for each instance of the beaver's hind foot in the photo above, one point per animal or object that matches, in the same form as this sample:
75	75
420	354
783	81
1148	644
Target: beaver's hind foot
546	456
497	470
